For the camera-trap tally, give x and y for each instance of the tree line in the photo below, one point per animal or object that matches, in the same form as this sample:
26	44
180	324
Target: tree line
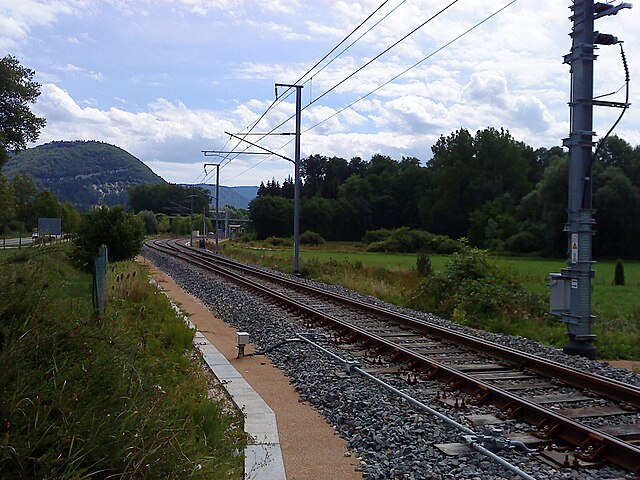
499	193
169	199
21	205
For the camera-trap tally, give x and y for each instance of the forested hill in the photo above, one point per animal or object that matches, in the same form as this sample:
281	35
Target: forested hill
83	173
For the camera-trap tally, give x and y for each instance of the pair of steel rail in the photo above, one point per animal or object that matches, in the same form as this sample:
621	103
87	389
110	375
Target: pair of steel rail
595	444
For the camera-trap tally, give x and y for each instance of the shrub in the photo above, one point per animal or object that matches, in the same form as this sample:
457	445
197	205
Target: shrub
243	237
149	220
310	268
444	245
279	241
423	264
521	242
618	276
376	236
405	240
122	232
311	238
473	290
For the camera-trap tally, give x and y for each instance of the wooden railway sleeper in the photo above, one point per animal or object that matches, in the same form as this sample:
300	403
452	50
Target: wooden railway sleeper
372	357
455	385
353	336
395	355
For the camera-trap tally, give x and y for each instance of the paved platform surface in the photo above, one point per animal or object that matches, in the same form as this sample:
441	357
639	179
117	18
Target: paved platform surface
309	448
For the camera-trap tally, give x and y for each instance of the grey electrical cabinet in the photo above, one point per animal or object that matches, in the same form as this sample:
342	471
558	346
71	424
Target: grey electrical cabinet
560	298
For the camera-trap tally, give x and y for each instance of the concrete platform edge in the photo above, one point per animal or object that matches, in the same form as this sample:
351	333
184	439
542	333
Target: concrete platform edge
263	455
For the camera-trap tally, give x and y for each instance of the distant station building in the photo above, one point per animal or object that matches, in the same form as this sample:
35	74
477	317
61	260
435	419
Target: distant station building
235	229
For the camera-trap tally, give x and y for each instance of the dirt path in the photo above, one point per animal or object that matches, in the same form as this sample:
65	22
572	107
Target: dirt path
628	364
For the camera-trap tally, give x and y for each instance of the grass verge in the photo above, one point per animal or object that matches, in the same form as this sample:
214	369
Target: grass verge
119	397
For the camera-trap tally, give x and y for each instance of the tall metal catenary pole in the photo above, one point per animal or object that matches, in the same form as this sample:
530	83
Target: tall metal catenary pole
217	165
217	201
579	227
571	289
191	223
296	194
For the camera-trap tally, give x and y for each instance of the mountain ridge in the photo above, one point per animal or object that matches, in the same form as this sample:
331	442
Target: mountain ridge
85	173
89	173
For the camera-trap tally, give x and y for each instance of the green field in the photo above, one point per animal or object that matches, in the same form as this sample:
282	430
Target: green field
608	300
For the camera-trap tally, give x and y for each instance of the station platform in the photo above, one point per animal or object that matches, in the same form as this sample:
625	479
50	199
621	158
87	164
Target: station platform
290	438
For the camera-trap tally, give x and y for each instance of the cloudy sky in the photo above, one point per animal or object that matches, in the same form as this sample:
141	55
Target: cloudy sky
164	79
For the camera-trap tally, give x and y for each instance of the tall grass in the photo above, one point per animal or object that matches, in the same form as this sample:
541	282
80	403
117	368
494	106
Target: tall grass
123	397
393	285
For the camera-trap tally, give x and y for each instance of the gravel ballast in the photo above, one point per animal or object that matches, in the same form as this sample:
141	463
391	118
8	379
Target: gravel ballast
391	439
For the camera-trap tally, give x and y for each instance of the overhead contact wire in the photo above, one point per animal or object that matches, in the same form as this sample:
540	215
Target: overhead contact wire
369	63
393	79
286	94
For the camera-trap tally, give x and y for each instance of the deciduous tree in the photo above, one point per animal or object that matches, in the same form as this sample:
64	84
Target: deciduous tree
18	125
122	232
272	216
7	204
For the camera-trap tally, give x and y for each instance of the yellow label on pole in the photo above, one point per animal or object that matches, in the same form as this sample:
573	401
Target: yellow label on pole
574	248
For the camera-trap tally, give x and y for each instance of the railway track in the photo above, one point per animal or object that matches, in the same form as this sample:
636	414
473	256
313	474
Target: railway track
563	406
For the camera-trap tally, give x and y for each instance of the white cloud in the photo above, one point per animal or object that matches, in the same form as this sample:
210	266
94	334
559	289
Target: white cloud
158	133
487	101
285	31
414	114
75	70
18	17
222	58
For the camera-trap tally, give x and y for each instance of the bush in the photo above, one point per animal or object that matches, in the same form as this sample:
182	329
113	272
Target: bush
243	237
405	240
444	245
149	220
279	241
423	265
376	236
180	225
618	276
473	290
122	232
521	242
311	238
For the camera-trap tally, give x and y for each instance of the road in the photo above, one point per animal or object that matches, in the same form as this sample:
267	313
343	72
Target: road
14	242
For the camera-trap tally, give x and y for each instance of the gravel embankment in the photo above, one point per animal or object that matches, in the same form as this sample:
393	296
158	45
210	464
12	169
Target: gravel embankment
392	440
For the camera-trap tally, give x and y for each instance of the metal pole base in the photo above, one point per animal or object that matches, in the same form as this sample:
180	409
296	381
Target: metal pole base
584	349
